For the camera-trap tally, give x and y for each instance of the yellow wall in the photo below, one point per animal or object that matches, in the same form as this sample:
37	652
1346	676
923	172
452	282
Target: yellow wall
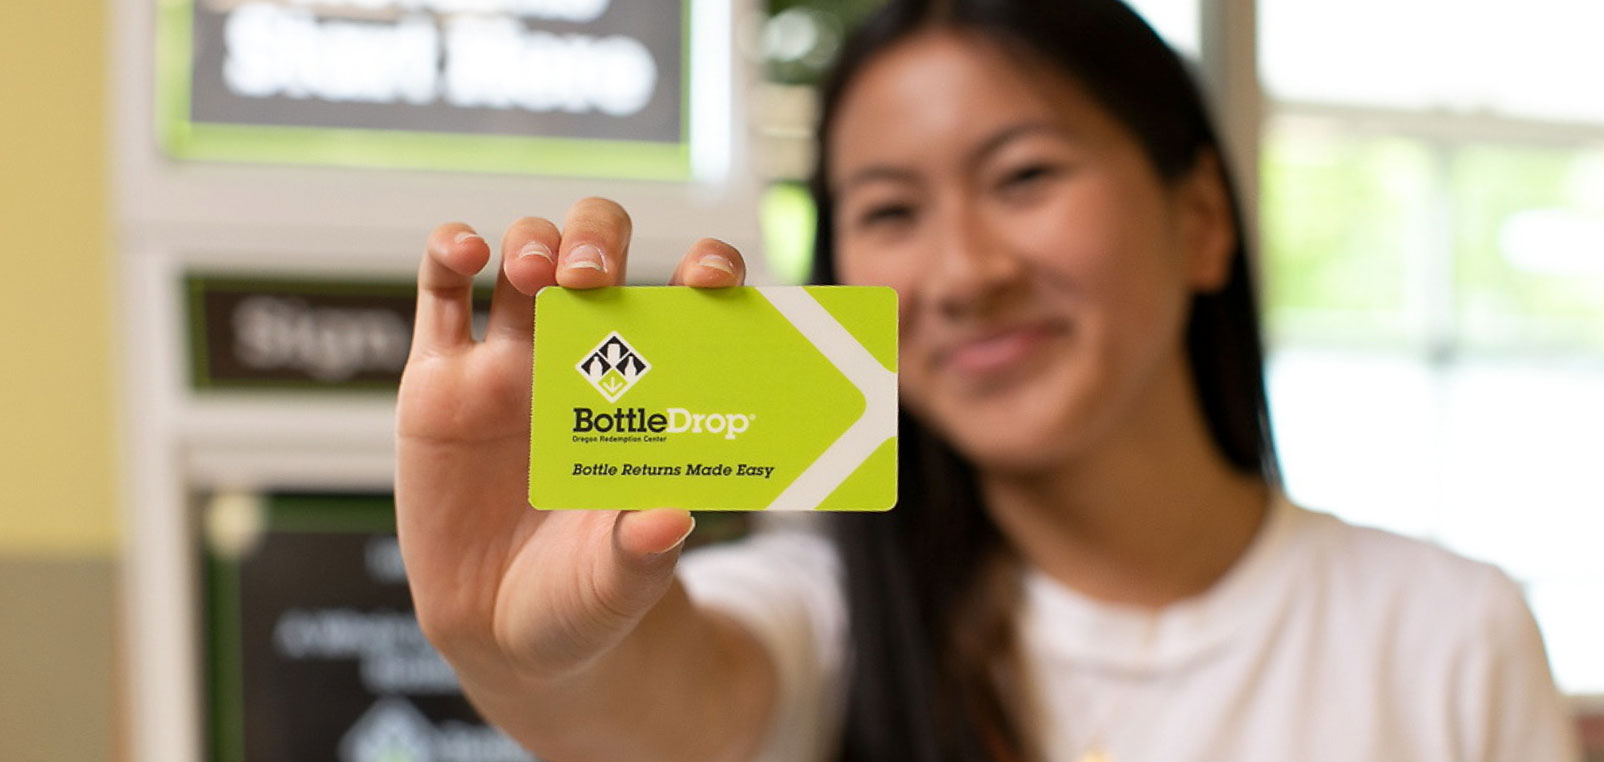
57	422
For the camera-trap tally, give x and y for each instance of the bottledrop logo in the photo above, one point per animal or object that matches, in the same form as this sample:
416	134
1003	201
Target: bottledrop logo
613	367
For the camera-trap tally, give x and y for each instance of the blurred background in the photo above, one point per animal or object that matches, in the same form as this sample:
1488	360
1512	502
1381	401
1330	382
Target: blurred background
214	206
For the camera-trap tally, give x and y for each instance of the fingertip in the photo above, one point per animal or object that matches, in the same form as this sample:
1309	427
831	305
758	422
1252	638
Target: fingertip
458	248
532	267
653	534
712	263
595	244
712	271
529	254
585	265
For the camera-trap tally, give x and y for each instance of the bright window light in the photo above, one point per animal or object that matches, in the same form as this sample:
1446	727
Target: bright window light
1454	55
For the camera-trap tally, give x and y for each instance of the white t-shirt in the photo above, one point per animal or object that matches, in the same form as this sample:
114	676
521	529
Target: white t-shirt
1324	642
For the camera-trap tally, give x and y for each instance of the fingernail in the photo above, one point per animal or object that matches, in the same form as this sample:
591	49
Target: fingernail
682	538
717	262
536	249
465	235
585	256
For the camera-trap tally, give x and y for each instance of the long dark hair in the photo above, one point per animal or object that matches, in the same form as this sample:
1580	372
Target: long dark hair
931	587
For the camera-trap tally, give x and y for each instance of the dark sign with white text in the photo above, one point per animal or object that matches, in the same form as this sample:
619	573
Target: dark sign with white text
314	650
276	333
593	87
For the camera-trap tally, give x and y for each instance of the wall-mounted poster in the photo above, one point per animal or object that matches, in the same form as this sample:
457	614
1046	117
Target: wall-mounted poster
595	88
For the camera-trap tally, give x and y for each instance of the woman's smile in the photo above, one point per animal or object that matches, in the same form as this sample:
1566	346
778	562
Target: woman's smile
998	353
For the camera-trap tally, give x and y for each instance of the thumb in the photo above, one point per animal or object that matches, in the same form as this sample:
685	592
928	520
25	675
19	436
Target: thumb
640	566
626	565
646	537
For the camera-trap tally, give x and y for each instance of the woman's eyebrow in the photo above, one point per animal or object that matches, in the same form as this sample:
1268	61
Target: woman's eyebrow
872	173
1008	134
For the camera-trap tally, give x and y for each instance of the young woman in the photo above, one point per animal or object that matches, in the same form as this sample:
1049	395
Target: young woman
1090	559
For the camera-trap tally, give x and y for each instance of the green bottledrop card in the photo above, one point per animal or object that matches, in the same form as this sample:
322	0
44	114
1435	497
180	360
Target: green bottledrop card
736	399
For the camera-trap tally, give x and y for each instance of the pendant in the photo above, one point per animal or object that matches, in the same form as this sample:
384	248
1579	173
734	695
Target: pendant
1096	754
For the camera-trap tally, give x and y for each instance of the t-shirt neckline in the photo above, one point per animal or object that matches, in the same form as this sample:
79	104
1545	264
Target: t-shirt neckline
1058	622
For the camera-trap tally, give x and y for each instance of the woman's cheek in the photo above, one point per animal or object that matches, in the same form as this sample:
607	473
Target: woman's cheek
863	263
887	271
890	271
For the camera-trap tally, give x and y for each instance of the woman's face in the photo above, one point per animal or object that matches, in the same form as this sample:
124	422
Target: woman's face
1044	269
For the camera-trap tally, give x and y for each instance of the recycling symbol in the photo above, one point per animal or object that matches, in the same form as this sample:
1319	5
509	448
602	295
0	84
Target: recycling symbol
613	367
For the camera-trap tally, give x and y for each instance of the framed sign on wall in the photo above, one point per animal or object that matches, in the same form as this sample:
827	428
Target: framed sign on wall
594	88
313	650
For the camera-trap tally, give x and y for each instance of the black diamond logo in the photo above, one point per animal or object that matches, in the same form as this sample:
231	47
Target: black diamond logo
613	367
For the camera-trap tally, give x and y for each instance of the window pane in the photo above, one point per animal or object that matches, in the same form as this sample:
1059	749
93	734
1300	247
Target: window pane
1492	256
1534	60
1345	223
1529	248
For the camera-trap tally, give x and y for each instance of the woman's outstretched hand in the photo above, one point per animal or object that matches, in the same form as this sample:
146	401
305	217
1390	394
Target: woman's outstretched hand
552	620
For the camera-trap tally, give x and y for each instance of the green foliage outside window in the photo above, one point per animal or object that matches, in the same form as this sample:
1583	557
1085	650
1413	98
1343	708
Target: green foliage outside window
1529	243
1396	241
1341	217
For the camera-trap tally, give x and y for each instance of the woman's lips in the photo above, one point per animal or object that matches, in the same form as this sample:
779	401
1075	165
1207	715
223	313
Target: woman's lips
996	352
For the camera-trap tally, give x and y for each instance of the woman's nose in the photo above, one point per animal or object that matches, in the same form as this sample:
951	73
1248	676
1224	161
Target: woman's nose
974	266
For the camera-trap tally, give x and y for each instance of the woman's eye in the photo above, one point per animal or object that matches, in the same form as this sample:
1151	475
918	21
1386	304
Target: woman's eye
1026	176
885	214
